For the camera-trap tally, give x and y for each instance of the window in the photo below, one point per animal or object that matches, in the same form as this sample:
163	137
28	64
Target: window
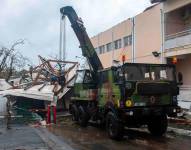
80	77
102	49
148	72
130	40
109	47
117	44
127	40
97	50
88	77
103	77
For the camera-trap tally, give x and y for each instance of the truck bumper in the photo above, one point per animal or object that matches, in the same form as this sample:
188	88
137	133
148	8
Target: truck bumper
171	111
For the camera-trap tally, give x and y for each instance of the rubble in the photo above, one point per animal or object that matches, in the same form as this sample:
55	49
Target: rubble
39	86
36	83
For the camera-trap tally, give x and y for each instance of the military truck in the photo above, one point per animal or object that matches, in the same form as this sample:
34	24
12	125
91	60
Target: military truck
129	95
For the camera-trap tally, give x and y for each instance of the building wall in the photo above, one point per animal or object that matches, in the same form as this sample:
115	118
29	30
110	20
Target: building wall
147	38
117	32
183	66
170	5
174	22
148	35
178	45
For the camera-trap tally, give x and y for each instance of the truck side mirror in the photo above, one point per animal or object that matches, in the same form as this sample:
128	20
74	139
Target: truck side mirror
180	78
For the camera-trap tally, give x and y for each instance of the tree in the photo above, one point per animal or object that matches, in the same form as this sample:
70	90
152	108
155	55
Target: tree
11	60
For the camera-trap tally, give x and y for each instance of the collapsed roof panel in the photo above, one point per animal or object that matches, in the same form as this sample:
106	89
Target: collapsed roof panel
39	82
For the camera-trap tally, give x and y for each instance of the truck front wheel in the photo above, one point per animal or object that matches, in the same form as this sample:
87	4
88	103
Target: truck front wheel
115	128
74	112
83	117
158	125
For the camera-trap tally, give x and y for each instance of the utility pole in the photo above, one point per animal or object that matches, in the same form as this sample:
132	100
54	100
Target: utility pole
62	45
133	40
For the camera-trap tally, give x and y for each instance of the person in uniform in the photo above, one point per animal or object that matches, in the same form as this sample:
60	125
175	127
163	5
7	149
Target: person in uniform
8	112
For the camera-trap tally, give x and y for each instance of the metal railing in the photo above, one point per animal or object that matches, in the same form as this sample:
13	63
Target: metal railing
178	40
178	34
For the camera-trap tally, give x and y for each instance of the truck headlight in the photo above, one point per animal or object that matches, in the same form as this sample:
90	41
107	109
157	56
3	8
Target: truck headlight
128	103
118	103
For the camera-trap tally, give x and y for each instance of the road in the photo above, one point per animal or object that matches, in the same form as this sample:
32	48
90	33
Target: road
94	138
29	137
21	137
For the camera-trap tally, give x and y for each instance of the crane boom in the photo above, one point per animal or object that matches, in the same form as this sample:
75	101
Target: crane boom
88	50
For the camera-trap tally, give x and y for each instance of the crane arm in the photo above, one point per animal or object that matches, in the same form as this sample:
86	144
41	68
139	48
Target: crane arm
88	50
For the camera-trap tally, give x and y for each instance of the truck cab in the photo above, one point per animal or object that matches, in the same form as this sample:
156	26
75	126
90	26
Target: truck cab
139	94
148	84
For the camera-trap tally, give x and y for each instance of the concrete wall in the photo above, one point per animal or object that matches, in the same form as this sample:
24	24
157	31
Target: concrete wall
148	37
184	67
174	22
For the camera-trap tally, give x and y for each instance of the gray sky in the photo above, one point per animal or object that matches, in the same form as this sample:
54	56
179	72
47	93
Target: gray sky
38	21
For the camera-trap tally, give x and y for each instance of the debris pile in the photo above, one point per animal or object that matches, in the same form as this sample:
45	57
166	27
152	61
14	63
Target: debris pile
45	80
41	87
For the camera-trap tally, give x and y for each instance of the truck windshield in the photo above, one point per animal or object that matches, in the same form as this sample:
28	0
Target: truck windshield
146	72
80	76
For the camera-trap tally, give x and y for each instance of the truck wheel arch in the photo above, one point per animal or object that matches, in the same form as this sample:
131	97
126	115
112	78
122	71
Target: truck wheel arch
109	107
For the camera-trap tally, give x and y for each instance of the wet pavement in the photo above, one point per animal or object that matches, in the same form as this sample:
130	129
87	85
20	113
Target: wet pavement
29	137
94	138
21	137
68	136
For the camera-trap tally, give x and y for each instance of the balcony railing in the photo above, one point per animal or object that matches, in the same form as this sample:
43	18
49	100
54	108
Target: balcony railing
178	34
178	39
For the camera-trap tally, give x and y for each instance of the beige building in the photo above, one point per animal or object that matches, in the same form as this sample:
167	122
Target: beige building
136	38
164	28
177	40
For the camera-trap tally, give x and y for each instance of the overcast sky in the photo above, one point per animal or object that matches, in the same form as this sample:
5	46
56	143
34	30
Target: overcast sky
38	22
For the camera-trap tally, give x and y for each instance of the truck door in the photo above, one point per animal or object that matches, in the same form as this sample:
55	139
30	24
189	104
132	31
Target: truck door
103	87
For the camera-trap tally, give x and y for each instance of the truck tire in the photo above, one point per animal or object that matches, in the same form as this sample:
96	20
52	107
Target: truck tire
114	128
75	113
83	117
158	125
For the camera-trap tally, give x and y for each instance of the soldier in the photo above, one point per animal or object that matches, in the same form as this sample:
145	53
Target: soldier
8	112
61	79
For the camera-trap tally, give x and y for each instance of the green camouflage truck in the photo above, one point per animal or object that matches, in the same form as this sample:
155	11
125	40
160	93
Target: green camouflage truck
129	95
